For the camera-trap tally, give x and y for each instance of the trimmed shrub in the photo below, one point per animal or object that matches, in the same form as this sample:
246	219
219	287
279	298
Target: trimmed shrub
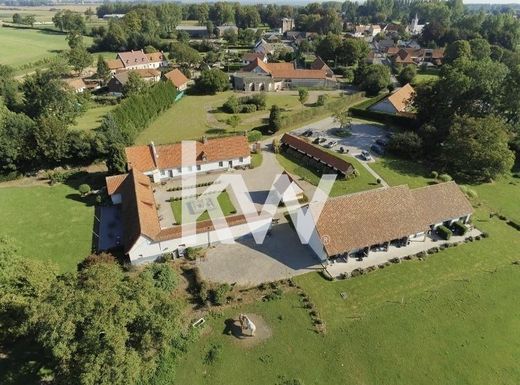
231	105
445	178
444	232
84	189
254	136
460	228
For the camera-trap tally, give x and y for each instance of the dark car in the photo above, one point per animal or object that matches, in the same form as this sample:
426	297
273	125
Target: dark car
307	133
323	140
317	140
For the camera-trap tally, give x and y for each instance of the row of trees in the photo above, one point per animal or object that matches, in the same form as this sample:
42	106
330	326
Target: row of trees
97	326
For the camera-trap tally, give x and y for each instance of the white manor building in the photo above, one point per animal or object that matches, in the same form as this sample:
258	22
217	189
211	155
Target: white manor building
163	162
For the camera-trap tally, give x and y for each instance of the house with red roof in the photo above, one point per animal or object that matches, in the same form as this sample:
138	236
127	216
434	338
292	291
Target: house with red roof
162	162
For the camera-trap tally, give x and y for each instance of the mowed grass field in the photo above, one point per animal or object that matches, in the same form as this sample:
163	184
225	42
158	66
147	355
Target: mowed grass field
49	223
93	117
22	46
197	115
452	318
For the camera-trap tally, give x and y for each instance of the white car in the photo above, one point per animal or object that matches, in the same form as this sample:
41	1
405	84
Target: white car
365	155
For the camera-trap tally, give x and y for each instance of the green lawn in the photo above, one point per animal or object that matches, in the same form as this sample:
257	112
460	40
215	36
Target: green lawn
48	223
364	181
256	159
93	117
450	319
422	78
197	115
223	199
397	171
22	46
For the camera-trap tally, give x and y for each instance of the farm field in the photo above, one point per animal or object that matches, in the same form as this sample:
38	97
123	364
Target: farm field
50	223
451	318
194	116
24	46
42	13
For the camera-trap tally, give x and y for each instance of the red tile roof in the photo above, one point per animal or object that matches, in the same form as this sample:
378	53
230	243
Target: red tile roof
176	77
114	182
310	150
285	70
132	58
401	98
170	155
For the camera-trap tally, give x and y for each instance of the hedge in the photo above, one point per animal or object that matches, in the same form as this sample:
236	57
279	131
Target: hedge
515	225
397	120
460	228
444	232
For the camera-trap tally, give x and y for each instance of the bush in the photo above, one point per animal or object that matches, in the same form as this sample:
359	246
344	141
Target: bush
163	276
513	224
84	189
460	228
254	136
220	293
246	108
213	354
322	100
406	144
444	232
231	105
445	178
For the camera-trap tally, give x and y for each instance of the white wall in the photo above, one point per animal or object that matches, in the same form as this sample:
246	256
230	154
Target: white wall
145	250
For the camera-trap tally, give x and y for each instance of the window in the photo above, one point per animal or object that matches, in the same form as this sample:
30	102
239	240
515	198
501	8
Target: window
221	164
163	172
241	159
198	167
179	170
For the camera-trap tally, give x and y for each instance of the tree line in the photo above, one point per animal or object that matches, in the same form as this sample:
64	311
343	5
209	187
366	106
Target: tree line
99	325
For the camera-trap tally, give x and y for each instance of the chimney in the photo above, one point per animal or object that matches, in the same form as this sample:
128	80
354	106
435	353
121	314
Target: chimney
154	153
205	139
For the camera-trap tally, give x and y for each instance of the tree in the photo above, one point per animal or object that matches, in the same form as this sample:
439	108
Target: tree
303	95
80	58
234	121
351	51
212	81
407	144
407	74
74	39
480	49
103	71
275	118
135	84
342	118
29	20
17	143
477	150
327	47
183	37
184	54
459	49
84	189
89	13
373	78
51	136
230	36
17	18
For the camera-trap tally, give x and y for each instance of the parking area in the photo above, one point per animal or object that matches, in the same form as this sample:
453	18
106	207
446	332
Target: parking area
249	264
365	137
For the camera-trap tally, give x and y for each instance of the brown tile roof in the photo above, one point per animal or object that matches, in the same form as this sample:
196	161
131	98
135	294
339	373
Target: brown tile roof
285	70
114	182
401	98
170	155
373	217
176	77
146	73
155	57
131	58
115	64
251	56
139	212
75	83
441	202
310	150
319	64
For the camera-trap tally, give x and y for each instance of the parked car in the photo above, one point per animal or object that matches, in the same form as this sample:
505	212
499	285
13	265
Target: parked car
341	150
377	149
307	133
323	140
331	144
317	140
365	155
381	142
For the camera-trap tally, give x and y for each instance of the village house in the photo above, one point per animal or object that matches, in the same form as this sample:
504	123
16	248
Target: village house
398	103
144	240
117	83
250	57
352	225
263	47
260	76
135	60
178	79
321	158
76	84
164	162
320	65
416	56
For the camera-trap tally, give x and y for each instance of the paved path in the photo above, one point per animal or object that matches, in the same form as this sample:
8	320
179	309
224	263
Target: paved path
373	173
